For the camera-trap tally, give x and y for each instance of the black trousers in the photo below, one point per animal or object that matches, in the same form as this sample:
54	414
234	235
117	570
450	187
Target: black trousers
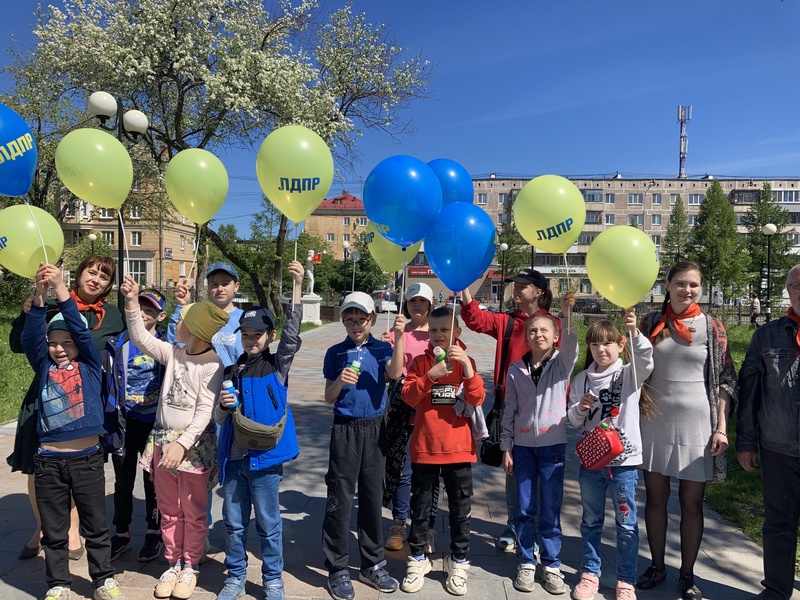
125	468
458	485
81	478
357	457
780	481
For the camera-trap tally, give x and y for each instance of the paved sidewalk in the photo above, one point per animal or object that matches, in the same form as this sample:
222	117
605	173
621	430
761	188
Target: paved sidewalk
729	566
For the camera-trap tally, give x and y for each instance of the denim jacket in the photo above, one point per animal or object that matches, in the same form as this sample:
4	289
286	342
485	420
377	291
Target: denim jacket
769	391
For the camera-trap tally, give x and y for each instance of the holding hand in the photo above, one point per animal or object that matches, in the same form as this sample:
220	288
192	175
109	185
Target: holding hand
226	399
171	456
567	301
130	291
630	321
587	401
348	376
440	369
399	326
297	271
182	294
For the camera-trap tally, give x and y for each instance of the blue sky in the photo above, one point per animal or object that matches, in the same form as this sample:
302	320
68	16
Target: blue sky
577	87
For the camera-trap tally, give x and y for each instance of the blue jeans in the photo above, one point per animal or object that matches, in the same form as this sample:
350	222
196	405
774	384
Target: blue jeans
539	473
401	499
242	490
621	482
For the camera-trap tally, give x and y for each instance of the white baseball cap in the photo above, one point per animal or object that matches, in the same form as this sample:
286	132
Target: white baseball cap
419	289
359	300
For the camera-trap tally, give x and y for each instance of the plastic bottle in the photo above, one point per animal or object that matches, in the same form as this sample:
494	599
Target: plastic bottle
439	354
228	386
356	366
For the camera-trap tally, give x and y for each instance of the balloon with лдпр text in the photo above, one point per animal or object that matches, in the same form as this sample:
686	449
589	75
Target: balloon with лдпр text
18	154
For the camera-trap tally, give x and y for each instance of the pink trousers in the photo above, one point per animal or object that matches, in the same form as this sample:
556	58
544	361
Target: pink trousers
183	502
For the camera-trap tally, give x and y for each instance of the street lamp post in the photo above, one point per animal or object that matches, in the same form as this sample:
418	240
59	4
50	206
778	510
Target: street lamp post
127	125
355	257
93	239
769	230
502	294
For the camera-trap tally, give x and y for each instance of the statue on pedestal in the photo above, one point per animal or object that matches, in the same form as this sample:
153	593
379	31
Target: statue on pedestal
310	272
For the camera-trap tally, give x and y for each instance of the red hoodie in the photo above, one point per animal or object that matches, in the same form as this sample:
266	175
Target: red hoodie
440	436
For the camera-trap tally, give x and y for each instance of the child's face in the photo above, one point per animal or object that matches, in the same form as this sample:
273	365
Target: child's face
542	335
150	314
605	354
418	307
358	324
61	347
439	331
255	341
222	287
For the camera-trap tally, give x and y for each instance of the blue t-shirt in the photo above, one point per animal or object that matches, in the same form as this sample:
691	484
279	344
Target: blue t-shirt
227	341
367	398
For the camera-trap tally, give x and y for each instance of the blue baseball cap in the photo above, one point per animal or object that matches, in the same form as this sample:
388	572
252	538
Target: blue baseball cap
258	318
155	297
223	266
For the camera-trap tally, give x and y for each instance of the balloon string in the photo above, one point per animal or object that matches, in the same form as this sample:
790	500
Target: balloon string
194	258
295	241
38	231
633	359
403	281
569	314
124	242
453	320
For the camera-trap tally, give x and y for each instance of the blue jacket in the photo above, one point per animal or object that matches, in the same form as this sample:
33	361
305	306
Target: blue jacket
70	403
261	381
769	391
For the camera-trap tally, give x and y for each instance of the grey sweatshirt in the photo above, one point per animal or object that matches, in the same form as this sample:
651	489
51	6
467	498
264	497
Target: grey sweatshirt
535	415
600	384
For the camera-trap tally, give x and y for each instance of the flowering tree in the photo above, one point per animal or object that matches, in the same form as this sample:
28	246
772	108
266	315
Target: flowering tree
218	73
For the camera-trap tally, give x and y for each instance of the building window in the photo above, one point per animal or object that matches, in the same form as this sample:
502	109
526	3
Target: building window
656	198
136	211
502	218
546	260
482	199
138	270
695	199
362	221
656	219
656	239
346	237
692	220
610	199
107	213
108	236
593	216
502	198
635	198
346	221
330	237
636	220
76	237
586	286
136	238
182	269
69	211
660	289
183	243
593	195
419	260
609	218
586	238
673	198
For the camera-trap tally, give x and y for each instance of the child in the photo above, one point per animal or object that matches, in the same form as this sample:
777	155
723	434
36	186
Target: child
607	387
252	477
357	452
534	442
133	384
69	461
444	393
181	449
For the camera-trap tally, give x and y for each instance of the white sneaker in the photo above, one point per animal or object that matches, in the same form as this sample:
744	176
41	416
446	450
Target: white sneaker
456	582
166	583
187	580
415	574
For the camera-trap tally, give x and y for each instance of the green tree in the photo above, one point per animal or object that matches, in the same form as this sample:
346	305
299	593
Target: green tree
676	243
716	244
763	210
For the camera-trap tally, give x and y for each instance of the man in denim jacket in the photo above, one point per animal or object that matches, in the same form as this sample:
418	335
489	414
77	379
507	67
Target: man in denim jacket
769	410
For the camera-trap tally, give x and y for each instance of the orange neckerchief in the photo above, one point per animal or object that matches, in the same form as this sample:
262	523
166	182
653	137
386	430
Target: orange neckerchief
680	327
96	307
793	316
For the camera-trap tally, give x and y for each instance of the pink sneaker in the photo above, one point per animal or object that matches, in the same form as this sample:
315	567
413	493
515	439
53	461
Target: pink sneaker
625	591
586	588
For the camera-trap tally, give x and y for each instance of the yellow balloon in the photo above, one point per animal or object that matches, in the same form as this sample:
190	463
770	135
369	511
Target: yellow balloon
549	213
622	264
388	255
295	169
196	183
22	230
95	166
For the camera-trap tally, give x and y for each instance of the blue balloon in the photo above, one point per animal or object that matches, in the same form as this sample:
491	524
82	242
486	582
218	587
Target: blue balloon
18	154
460	245
402	198
456	183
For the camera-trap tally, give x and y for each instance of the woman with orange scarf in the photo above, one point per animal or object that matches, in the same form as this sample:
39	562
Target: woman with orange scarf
693	388
94	279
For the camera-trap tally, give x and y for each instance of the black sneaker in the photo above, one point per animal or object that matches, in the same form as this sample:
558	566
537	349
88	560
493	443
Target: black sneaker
340	586
119	544
378	578
153	546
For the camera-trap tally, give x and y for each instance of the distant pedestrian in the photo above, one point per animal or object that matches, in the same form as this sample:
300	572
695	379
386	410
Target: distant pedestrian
441	297
755	309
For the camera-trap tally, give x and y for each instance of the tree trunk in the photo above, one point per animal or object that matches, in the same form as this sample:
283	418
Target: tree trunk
277	278
255	278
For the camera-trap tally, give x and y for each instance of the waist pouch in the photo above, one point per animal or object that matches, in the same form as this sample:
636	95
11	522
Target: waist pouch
257	436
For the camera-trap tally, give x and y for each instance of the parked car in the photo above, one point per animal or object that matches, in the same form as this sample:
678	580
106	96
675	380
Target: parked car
588	306
385	301
458	304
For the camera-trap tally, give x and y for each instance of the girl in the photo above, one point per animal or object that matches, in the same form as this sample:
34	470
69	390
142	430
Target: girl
534	440
693	386
181	449
604	389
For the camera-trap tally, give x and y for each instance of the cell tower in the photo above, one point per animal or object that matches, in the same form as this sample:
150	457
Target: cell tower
684	116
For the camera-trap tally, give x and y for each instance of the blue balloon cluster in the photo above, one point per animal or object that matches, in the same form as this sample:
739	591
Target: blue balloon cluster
456	183
18	154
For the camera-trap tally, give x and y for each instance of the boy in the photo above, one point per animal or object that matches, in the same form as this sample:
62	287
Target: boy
223	283
69	461
252	477
355	373
133	384
445	394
